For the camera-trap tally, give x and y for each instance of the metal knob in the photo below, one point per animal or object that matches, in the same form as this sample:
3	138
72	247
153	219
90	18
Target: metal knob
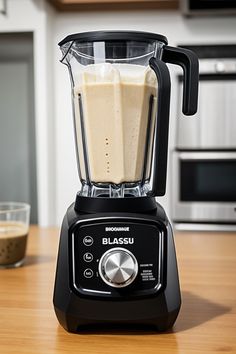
118	267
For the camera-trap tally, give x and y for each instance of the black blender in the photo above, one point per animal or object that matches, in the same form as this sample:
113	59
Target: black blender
116	260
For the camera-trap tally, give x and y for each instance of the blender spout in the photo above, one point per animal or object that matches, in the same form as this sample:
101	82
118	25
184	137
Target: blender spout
66	55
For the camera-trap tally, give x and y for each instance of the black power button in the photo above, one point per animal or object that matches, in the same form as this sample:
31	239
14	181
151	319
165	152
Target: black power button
88	241
88	257
88	273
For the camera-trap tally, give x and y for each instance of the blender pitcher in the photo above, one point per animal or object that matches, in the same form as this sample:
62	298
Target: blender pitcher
121	95
116	260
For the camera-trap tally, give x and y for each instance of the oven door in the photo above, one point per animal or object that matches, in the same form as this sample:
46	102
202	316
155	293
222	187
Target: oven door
204	187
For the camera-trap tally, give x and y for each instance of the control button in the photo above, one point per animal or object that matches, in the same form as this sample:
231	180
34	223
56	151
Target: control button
88	241
118	267
88	257
88	273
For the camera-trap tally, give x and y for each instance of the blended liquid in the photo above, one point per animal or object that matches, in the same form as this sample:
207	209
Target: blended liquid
13	239
115	100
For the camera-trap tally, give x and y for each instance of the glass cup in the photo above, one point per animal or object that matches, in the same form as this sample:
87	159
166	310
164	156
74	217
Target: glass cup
14	228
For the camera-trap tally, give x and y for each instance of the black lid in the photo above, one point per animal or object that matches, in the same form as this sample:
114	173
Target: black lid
97	36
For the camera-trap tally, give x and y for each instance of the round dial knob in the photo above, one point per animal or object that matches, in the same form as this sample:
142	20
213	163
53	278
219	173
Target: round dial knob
118	267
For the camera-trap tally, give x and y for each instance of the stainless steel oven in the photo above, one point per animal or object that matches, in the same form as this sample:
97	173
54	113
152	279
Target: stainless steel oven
208	7
204	161
204	190
214	124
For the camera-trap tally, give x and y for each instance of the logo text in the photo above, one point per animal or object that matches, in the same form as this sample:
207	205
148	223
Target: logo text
118	241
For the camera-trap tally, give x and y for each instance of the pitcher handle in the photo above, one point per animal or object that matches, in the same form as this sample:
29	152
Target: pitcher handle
188	60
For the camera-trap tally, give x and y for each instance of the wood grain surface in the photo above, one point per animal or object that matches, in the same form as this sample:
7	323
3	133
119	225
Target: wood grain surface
206	324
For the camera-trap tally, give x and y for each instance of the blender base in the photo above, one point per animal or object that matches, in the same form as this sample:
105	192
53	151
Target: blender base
78	308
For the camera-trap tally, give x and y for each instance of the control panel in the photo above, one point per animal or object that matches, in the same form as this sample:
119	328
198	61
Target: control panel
117	257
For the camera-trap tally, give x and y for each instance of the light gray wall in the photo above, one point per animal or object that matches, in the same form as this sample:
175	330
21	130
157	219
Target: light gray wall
17	121
36	16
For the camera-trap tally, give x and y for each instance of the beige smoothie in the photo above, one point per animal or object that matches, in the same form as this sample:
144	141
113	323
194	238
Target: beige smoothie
115	107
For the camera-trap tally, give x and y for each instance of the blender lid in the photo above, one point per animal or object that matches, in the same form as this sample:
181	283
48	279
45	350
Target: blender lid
98	36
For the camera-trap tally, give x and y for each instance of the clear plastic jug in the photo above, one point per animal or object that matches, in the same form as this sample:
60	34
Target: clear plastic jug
120	96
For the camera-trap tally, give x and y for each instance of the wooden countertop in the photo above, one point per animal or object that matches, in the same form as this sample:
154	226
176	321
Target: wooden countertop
206	324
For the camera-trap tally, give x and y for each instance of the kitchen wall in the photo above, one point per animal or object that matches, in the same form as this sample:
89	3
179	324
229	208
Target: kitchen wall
56	165
36	17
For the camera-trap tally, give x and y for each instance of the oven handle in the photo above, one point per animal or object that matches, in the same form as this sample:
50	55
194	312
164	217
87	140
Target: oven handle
206	155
